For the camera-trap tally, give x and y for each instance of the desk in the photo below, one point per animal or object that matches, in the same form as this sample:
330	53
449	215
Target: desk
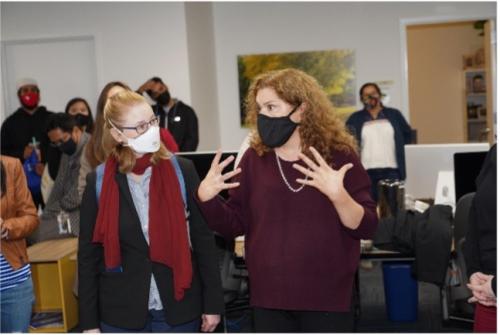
372	254
53	268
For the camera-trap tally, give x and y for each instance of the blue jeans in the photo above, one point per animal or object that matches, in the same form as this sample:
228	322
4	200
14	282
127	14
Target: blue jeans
16	307
156	324
377	175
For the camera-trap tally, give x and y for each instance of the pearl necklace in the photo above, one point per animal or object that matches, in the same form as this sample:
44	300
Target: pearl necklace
294	190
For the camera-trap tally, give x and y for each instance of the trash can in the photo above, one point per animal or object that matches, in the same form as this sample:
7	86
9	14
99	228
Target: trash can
401	292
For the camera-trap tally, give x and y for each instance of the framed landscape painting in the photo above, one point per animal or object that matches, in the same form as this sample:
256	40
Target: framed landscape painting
334	70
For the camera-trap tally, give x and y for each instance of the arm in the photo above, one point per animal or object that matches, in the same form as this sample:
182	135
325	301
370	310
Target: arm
26	219
85	169
358	187
405	128
89	257
203	242
471	246
191	136
347	188
225	217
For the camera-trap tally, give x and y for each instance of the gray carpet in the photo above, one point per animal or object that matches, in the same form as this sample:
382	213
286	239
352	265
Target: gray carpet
373	311
373	317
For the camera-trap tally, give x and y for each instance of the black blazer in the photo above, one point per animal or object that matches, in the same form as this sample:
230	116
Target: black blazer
121	298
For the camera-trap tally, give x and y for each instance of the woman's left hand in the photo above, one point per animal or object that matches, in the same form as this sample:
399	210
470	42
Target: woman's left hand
209	322
322	176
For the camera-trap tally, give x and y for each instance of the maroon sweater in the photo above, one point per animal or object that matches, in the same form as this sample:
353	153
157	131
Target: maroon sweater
298	254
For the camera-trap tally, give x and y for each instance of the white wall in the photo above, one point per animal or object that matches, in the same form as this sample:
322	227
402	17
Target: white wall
202	72
372	29
134	41
137	40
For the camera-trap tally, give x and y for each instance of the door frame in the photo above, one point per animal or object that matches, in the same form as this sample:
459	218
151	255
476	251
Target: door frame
404	23
96	41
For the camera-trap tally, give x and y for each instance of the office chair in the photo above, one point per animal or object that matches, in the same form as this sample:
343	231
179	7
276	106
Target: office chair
454	294
462	216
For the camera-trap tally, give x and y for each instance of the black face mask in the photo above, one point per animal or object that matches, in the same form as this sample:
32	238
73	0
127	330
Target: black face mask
81	120
68	147
275	131
371	102
163	99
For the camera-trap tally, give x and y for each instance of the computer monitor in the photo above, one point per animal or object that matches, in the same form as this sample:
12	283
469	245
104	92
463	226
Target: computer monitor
467	166
424	161
203	160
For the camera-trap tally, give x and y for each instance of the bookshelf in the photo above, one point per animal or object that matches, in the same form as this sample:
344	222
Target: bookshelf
476	110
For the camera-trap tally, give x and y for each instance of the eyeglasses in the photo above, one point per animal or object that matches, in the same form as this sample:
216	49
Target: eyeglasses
142	127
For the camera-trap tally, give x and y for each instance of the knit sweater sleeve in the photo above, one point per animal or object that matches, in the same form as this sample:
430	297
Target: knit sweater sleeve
358	185
226	216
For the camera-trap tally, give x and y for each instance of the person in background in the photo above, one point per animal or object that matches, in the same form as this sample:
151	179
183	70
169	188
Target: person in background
382	133
94	153
18	219
25	126
80	110
147	260
302	199
481	246
61	215
179	118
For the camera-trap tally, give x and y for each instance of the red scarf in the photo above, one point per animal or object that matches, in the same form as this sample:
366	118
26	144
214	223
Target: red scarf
168	237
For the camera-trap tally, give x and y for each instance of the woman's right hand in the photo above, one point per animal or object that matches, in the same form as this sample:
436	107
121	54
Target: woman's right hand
215	181
95	330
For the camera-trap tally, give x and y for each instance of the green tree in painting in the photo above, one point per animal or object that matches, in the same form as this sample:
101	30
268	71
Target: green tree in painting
333	69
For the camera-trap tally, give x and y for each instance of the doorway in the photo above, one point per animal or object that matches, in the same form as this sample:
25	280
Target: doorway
450	75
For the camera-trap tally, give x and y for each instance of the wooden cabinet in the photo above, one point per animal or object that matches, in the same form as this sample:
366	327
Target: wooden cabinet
53	268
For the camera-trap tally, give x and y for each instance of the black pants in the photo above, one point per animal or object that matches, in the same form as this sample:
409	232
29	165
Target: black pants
282	321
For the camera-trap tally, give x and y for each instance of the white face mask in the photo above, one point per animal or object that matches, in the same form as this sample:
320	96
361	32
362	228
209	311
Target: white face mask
145	143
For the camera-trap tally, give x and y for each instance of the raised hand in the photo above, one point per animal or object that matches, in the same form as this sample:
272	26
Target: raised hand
322	176
215	181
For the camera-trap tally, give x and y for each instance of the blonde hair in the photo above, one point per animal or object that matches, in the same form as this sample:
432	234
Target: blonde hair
320	126
115	109
94	151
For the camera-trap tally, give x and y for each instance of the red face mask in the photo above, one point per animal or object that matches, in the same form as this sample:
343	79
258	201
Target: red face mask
30	99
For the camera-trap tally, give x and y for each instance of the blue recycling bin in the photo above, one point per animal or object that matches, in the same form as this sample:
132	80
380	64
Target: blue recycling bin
401	292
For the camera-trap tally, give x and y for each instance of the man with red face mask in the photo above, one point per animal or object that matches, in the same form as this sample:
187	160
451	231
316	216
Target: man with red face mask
25	125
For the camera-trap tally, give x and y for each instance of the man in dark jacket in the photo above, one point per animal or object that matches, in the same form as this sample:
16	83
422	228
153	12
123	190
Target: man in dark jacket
179	118
25	126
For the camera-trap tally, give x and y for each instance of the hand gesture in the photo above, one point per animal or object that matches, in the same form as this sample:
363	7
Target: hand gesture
209	322
215	181
322	176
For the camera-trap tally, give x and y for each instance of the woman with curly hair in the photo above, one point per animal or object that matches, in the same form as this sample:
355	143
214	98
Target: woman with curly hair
302	199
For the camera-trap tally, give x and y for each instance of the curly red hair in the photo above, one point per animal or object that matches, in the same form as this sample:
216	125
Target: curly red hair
320	126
